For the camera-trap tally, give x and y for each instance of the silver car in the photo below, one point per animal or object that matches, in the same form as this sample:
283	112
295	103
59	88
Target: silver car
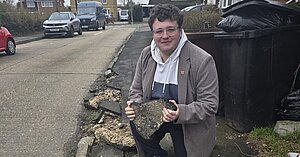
197	8
62	23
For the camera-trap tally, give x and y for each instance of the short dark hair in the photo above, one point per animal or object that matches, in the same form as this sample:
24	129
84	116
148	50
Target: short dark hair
163	12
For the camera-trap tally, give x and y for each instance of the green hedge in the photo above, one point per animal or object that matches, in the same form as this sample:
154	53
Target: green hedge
18	21
203	21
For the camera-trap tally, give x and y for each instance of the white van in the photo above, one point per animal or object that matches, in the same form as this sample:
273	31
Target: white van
123	15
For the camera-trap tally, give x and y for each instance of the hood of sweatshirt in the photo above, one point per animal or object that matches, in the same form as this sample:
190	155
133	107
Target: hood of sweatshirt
155	52
166	72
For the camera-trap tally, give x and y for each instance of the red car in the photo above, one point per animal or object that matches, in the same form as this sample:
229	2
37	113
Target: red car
7	42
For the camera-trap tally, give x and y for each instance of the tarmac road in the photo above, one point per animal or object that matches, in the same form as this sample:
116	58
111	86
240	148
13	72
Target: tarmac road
42	87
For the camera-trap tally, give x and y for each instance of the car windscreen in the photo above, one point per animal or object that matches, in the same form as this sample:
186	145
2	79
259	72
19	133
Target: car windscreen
59	16
124	12
187	8
86	10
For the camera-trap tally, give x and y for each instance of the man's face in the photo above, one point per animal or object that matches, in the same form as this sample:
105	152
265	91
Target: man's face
166	35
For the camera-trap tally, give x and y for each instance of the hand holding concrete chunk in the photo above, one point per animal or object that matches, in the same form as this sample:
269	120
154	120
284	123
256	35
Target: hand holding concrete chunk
148	116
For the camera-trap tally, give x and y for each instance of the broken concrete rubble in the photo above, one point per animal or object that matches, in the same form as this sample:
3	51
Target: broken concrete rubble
148	116
111	133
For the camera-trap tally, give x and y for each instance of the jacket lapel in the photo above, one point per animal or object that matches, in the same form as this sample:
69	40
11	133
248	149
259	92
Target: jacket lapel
183	72
150	68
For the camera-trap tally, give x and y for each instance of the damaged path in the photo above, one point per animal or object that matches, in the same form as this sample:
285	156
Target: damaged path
229	142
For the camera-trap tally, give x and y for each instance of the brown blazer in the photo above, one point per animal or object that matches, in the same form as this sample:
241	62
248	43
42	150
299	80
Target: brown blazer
197	96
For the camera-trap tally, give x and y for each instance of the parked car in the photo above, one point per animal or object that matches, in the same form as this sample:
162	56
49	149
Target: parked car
123	15
7	42
62	23
196	8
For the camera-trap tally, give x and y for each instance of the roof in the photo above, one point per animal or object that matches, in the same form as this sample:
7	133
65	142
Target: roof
89	3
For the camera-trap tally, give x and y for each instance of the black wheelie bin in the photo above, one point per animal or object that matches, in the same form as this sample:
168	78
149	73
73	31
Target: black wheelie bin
259	62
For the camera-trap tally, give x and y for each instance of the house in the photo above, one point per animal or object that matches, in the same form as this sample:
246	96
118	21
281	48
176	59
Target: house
43	7
109	5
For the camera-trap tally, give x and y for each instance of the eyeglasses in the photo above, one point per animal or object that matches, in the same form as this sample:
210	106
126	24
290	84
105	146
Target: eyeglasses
170	31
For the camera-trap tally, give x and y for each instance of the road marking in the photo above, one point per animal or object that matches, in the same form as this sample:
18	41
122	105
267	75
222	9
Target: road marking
98	33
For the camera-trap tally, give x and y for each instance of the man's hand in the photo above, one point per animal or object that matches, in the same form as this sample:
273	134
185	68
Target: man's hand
129	111
170	115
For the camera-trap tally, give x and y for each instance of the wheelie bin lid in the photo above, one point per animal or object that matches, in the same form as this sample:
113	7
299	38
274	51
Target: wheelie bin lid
256	33
239	6
258	14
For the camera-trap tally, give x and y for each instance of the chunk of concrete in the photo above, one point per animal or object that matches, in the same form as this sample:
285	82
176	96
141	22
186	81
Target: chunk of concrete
104	150
108	73
84	146
148	116
111	106
285	127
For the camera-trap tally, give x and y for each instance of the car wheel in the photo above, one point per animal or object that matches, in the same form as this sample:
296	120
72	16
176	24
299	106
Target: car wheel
45	36
71	32
10	47
80	31
97	27
103	27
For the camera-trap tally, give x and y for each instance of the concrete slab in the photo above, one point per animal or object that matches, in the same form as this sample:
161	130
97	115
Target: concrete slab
110	106
285	127
104	150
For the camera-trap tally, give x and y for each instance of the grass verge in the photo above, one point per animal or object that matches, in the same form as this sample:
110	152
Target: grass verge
269	143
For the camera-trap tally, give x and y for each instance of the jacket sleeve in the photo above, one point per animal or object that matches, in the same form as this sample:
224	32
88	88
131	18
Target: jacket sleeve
203	102
136	89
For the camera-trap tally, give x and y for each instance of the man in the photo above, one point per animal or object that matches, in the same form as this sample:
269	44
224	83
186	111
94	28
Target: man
174	69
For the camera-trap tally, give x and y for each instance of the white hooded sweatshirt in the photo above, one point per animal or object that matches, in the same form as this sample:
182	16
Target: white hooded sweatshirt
165	83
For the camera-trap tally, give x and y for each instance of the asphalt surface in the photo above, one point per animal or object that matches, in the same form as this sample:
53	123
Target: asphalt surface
230	143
